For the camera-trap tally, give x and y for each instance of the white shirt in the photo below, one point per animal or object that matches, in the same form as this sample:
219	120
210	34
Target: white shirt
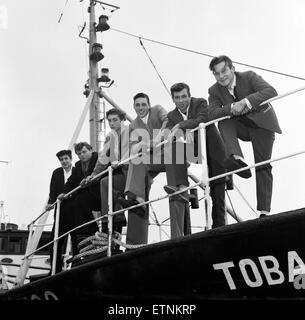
145	119
231	90
67	174
187	112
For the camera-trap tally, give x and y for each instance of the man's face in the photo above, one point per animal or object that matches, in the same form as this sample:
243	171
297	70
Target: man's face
223	74
141	107
182	99
65	161
84	154
114	122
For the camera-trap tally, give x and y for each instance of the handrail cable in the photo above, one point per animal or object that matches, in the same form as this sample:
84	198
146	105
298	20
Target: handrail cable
172	194
183	190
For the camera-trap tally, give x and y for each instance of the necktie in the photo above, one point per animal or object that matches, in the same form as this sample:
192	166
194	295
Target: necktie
120	146
235	94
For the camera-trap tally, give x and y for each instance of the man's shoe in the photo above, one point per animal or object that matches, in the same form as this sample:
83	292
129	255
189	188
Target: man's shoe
264	214
233	164
171	189
126	203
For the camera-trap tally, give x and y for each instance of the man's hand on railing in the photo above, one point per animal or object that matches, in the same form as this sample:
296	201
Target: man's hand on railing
174	133
114	164
61	196
156	141
239	108
84	183
141	146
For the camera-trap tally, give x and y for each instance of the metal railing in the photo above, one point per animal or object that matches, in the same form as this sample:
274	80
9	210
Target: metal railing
205	181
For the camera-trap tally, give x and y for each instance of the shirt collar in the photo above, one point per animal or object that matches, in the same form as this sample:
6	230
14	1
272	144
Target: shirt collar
187	111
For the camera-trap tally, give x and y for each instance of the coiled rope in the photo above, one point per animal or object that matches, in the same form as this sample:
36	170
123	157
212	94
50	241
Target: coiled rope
98	243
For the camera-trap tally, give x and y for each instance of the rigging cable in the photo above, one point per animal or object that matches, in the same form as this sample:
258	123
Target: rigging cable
154	67
62	12
231	205
87	66
206	55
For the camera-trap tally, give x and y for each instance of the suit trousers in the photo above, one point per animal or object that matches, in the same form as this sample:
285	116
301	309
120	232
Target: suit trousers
85	202
262	144
138	184
168	160
66	223
118	186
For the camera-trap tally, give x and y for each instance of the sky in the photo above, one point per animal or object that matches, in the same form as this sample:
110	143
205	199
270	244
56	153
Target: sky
44	66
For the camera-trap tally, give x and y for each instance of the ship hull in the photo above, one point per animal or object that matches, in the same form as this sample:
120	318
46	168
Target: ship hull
256	259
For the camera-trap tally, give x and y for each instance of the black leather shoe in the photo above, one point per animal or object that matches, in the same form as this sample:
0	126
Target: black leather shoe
171	189
126	203
234	164
262	215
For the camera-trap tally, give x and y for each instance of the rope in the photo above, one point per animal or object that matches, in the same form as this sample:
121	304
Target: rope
99	243
154	67
207	55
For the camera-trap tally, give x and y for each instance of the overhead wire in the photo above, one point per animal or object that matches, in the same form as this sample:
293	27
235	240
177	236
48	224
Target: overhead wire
205	54
158	73
62	12
84	45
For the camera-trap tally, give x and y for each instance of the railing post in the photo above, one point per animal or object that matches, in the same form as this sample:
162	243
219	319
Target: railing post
55	244
30	232
110	206
205	176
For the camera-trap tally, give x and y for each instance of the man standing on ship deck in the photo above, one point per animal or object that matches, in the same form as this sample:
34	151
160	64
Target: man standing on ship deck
239	95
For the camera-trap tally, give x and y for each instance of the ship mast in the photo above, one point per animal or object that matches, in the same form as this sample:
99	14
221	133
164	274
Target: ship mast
93	84
95	55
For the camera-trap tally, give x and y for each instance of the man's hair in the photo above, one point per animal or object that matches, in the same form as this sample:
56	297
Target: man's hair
220	59
61	153
141	95
119	113
79	146
178	87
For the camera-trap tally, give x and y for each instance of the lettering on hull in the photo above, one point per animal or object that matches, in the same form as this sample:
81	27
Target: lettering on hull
272	275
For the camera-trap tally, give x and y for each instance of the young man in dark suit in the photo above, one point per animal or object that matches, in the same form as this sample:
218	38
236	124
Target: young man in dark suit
60	175
78	208
239	95
87	199
187	115
59	178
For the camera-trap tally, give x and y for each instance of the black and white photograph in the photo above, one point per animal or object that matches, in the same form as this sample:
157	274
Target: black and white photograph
152	153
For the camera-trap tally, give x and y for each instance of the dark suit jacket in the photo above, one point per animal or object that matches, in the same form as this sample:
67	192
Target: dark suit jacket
77	175
253	87
197	113
57	184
